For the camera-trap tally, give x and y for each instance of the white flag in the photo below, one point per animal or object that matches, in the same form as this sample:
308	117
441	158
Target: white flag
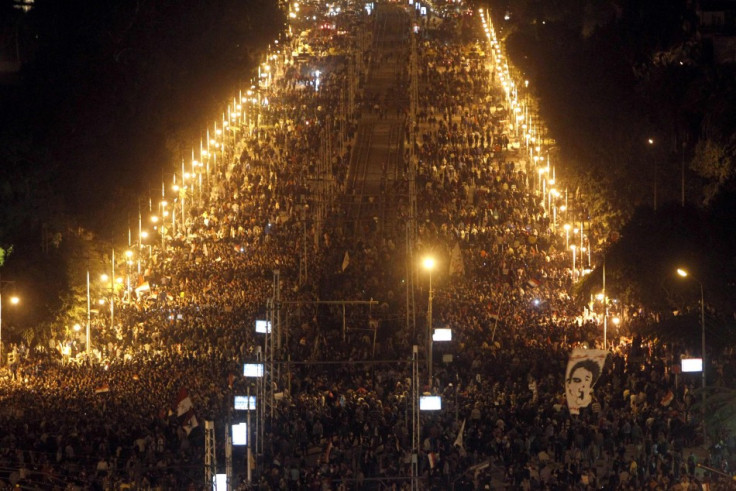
460	433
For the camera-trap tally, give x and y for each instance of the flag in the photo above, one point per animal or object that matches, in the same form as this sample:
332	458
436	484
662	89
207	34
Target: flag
183	403
185	411
190	422
328	450
479	467
459	438
434	458
345	261
583	369
533	282
457	266
102	389
667	399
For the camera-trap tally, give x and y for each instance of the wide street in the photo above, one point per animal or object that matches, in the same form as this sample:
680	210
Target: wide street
385	179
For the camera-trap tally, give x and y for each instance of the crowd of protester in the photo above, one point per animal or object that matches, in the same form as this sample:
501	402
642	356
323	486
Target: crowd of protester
111	421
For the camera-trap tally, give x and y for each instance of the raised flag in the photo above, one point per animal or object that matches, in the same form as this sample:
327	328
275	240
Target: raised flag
183	403
328	450
583	369
667	399
190	422
185	411
143	287
459	439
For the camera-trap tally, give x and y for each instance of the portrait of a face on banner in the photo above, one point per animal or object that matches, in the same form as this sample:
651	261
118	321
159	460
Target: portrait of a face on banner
583	370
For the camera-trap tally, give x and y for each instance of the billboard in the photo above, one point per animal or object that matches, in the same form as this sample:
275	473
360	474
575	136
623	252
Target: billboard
245	403
442	335
240	434
253	370
692	365
263	326
430	403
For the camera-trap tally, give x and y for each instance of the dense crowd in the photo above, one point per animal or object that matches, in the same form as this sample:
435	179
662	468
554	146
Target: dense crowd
111	421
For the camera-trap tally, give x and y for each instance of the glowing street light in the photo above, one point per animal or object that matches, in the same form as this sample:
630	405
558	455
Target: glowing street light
684	274
428	264
572	248
13	301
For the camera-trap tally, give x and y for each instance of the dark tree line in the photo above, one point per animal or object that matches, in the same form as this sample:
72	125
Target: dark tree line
610	75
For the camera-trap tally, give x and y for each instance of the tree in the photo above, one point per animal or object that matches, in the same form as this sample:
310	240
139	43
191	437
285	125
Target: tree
641	265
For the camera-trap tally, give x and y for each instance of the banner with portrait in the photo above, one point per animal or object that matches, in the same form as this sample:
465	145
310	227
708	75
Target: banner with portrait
583	370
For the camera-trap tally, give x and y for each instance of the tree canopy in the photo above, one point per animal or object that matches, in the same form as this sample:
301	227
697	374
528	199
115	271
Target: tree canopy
610	76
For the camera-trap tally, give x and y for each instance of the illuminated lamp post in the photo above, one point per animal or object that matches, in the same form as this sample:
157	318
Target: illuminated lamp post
429	263
684	274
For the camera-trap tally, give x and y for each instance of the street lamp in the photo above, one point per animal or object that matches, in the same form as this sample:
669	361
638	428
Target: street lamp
553	206
572	248
88	347
13	301
428	263
104	279
684	274
651	144
128	264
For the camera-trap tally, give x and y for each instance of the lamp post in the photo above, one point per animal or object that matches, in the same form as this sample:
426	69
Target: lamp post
684	274
651	144
14	301
605	309
104	279
572	248
429	264
89	320
128	264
